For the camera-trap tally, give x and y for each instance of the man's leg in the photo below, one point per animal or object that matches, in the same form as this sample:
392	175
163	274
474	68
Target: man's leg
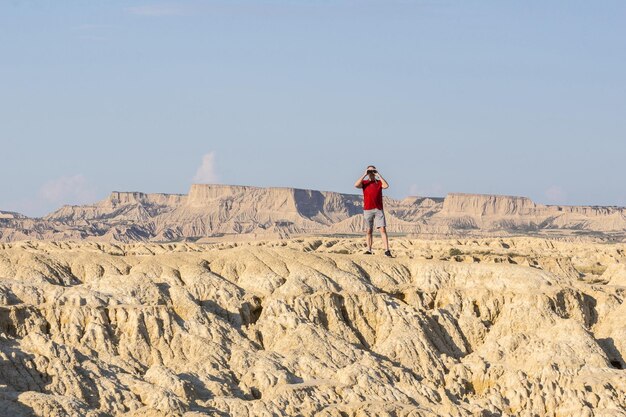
368	216
381	224
383	234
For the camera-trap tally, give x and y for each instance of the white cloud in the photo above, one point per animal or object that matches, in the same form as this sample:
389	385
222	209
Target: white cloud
73	189
156	10
556	195
206	171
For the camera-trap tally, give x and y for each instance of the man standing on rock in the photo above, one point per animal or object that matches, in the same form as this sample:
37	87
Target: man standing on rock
373	205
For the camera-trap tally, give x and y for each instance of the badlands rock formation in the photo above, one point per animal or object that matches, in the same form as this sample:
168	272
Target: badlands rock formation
311	327
214	211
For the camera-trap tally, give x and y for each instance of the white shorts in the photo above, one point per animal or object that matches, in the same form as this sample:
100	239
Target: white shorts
374	218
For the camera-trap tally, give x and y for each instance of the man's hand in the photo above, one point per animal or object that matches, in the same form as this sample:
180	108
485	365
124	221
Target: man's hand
380	177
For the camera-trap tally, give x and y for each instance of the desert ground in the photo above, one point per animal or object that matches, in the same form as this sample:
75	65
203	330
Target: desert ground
313	327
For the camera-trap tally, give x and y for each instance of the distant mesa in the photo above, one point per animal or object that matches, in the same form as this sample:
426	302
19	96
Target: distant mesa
11	215
215	211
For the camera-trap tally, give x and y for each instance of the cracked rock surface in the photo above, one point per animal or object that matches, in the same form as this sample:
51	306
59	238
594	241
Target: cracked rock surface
312	327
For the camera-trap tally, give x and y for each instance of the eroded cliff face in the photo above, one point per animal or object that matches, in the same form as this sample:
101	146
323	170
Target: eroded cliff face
213	211
522	215
311	327
487	205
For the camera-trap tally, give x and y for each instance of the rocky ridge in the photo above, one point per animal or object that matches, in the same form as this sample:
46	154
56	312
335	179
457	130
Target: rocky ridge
311	327
212	211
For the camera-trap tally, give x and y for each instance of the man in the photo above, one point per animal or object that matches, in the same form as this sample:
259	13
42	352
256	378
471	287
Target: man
373	205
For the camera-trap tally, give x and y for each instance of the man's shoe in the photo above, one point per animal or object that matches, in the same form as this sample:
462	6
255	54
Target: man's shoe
368	252
388	254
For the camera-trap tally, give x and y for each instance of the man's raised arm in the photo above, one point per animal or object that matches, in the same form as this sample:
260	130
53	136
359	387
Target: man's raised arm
359	183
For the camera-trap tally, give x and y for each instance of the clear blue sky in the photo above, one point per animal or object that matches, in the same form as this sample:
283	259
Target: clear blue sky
507	97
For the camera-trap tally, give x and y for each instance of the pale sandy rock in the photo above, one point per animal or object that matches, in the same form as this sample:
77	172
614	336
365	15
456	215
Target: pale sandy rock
311	327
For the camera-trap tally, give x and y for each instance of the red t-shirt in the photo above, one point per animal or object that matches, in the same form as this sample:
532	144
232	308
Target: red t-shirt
372	195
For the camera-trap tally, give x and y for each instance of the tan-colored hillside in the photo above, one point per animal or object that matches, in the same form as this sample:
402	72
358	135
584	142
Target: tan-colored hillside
211	212
312	327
